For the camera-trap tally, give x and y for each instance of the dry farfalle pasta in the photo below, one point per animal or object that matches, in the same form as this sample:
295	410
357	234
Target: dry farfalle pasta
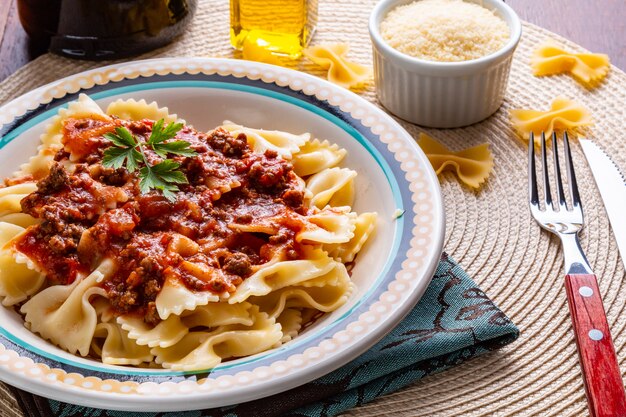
472	165
549	58
341	71
564	114
254	50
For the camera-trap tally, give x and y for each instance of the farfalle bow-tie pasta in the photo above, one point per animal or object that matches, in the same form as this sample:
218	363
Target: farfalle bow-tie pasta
472	165
549	58
564	114
251	247
341	71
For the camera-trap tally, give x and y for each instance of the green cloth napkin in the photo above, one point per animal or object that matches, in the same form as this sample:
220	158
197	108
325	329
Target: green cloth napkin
454	321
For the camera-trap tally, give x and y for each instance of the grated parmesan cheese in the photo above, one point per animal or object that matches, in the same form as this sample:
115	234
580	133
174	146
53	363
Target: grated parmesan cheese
444	30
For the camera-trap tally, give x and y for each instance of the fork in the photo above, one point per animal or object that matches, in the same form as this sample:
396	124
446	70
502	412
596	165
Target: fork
600	369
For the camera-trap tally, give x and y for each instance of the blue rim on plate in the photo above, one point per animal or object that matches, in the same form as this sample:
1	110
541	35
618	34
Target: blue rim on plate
402	189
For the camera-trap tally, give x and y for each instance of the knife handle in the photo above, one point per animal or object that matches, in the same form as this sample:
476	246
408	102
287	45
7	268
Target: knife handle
600	369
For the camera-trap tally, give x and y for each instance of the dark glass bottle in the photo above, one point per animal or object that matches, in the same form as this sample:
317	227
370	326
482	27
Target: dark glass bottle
104	29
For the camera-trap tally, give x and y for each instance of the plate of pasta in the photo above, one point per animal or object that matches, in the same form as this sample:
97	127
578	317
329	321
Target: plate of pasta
186	234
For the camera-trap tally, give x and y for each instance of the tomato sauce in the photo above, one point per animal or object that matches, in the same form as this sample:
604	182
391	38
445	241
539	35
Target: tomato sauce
90	212
60	270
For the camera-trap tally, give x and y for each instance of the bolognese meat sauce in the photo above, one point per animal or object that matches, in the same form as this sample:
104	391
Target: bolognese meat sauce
89	212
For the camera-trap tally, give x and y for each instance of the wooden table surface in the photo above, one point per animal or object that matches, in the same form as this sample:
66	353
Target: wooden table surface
598	25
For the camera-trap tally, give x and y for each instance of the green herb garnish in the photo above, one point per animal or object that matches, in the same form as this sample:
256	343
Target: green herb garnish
128	151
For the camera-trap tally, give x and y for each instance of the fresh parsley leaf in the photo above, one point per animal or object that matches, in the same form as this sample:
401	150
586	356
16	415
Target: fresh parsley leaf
161	176
176	177
167	171
178	147
160	134
168	192
148	180
128	151
117	141
132	163
166	166
123	138
115	157
123	152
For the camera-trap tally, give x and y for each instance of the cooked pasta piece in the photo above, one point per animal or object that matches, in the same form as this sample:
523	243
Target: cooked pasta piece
220	314
330	225
283	143
51	140
364	226
104	310
168	332
200	350
290	322
332	186
324	298
64	313
564	114
472	165
175	297
165	334
138	110
334	278
19	219
17	280
117	348
550	58
283	274
10	197
341	71
316	156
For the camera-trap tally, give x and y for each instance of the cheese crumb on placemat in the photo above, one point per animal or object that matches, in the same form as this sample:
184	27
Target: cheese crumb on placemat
444	30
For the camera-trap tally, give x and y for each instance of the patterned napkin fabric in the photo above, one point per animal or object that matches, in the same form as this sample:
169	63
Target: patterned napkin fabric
454	321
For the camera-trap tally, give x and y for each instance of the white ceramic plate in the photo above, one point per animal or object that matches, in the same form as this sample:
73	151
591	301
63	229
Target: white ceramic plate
391	272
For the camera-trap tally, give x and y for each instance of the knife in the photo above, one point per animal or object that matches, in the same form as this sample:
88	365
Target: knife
612	186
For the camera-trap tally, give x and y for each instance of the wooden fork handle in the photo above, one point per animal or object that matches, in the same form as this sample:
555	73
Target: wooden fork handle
600	369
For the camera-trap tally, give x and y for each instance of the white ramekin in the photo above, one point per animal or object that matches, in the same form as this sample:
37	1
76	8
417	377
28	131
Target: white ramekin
442	94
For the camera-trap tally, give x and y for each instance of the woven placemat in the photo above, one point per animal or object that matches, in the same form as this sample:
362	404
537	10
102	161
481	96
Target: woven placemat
490	232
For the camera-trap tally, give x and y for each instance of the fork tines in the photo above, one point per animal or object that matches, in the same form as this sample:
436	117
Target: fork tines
571	177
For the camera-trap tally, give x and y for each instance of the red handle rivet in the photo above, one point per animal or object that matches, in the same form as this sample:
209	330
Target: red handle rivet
595	334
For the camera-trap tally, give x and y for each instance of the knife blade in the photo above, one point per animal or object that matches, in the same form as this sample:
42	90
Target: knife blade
612	186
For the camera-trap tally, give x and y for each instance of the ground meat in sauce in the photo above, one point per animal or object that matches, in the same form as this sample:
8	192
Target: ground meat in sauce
151	315
293	198
227	144
95	212
269	171
55	181
109	176
238	264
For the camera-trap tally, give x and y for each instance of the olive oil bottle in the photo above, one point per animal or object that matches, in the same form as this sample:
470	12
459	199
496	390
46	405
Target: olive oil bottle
282	27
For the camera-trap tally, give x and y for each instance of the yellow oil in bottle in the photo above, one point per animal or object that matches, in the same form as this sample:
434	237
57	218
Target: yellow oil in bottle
282	27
